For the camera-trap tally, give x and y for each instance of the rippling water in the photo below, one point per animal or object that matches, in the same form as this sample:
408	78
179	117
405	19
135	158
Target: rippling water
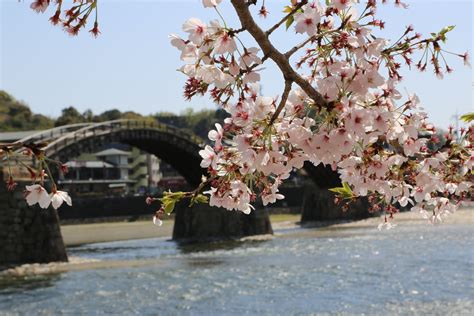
410	270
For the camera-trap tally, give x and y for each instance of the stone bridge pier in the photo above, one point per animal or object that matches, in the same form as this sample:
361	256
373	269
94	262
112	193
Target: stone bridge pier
202	222
27	234
318	202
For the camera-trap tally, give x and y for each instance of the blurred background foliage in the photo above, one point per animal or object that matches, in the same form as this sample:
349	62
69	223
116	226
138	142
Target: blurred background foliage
15	115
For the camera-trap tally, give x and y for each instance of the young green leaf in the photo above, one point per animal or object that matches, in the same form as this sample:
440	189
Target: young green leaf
344	192
289	21
169	207
469	117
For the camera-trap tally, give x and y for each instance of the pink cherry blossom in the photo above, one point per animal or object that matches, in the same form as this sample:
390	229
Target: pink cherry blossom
40	6
196	29
58	197
209	157
210	3
224	44
157	221
37	194
376	139
216	136
307	21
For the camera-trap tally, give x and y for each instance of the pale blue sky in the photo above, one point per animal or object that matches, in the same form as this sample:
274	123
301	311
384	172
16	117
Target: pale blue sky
132	66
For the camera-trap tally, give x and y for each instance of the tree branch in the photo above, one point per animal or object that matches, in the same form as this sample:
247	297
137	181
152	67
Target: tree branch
308	40
281	105
293	11
269	50
299	46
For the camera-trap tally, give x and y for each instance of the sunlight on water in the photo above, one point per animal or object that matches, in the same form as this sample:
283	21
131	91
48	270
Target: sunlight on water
410	270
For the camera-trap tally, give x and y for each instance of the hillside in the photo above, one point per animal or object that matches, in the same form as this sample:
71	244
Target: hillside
16	116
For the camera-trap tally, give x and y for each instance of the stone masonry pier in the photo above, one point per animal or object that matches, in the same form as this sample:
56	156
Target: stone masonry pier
27	234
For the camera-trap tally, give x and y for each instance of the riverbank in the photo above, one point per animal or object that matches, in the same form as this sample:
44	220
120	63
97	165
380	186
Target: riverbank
79	234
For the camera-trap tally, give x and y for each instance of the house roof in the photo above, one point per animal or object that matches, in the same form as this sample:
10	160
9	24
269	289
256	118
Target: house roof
14	136
91	181
88	164
112	152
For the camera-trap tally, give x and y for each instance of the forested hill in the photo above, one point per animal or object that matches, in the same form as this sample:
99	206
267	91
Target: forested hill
16	116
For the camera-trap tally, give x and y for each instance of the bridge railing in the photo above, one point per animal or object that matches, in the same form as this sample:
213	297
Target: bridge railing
51	133
97	129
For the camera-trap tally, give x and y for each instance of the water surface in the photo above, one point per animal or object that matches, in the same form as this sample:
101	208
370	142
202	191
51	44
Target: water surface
413	269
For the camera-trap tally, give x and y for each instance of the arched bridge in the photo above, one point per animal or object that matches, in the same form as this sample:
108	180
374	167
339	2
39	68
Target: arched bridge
173	145
34	236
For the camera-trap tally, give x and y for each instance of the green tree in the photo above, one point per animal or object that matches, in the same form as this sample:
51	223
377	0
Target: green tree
70	115
88	115
109	115
16	115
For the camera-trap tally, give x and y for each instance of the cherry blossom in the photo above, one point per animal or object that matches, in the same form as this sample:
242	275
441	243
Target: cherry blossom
58	197
224	44
357	122
37	194
209	157
307	21
196	29
211	3
157	221
40	5
216	136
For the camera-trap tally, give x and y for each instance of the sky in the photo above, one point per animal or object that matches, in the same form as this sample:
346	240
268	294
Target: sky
132	66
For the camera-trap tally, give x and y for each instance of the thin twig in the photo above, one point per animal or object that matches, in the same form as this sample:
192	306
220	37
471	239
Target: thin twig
284	98
308	40
286	17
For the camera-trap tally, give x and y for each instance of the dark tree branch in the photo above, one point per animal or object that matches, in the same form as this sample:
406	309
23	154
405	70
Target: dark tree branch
269	50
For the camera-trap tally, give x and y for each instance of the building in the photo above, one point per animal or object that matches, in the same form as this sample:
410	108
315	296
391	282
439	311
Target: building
94	177
118	158
117	169
145	170
112	171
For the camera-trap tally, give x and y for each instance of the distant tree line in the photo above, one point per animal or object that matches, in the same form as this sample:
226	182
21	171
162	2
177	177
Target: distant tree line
15	115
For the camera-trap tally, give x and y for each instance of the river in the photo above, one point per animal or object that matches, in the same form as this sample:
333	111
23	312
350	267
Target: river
410	270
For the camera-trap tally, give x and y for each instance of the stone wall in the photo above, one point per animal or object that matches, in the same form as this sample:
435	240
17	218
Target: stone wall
103	207
205	223
27	234
318	205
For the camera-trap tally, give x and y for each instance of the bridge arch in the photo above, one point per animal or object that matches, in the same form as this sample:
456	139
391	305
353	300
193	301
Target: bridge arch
178	148
33	231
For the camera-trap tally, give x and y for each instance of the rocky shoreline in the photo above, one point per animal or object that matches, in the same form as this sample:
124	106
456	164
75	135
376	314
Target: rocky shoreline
43	268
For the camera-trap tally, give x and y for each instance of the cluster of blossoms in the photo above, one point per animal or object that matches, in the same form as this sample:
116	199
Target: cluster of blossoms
37	194
340	107
72	19
15	156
